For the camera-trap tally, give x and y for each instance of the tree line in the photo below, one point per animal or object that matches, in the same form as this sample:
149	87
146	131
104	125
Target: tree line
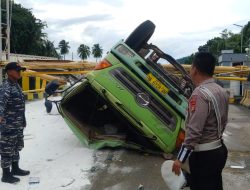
83	50
27	37
227	40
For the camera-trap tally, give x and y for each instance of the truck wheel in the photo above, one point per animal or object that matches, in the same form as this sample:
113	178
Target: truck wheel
140	35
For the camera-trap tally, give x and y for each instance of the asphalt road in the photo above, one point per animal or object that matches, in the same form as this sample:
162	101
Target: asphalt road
130	170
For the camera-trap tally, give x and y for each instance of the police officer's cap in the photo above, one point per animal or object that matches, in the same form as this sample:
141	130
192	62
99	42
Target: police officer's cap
14	66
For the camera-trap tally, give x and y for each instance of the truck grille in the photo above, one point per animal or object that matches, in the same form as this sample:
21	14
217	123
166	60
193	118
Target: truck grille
143	98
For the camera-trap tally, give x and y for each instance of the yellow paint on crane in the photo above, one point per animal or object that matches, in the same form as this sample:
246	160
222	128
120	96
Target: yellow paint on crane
25	83
232	78
57	73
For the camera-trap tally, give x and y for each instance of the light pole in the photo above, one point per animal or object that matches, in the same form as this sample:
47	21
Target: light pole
241	41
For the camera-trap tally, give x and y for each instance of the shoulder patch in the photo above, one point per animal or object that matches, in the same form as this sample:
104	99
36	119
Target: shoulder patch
192	103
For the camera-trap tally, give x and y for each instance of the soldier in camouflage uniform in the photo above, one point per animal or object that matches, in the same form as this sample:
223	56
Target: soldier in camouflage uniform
12	124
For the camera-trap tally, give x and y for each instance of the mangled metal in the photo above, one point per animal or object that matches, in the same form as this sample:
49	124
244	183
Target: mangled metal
130	100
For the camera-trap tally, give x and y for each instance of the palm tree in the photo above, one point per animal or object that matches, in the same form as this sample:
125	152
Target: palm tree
64	47
97	51
83	51
49	49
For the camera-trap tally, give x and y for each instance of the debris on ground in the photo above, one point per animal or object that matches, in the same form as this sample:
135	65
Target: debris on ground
68	184
168	156
237	167
141	187
34	180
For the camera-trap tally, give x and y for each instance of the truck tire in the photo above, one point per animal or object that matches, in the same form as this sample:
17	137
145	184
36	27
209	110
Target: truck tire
140	35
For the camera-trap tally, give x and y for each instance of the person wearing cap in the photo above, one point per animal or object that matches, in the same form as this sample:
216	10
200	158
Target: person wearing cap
207	116
12	124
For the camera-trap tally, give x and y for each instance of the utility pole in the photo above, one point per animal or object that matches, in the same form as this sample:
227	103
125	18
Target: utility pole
224	37
241	44
241	40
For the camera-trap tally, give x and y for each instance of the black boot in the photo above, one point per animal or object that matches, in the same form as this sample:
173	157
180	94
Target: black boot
17	171
8	177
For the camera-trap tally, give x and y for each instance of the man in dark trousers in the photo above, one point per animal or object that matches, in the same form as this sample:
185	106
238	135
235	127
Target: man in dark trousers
12	124
206	120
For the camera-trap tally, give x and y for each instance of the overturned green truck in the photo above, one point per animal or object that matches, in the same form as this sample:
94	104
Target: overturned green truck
129	100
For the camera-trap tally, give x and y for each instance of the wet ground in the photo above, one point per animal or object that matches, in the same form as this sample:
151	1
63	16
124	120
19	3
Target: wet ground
236	174
131	170
61	162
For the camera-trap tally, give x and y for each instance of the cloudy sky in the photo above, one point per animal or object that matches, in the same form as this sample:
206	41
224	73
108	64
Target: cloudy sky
181	25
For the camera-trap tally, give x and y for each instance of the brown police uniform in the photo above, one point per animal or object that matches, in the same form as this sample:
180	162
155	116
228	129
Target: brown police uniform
206	120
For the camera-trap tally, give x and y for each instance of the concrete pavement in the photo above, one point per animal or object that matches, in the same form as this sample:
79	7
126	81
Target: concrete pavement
131	170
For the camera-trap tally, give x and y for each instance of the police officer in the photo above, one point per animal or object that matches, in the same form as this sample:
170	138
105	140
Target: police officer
206	120
12	123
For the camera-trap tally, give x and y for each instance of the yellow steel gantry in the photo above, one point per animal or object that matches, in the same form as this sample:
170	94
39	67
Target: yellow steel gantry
43	71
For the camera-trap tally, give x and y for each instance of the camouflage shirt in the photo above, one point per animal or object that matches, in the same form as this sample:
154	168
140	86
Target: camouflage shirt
12	105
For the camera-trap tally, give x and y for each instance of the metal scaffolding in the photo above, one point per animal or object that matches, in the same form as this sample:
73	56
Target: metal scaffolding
6	35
